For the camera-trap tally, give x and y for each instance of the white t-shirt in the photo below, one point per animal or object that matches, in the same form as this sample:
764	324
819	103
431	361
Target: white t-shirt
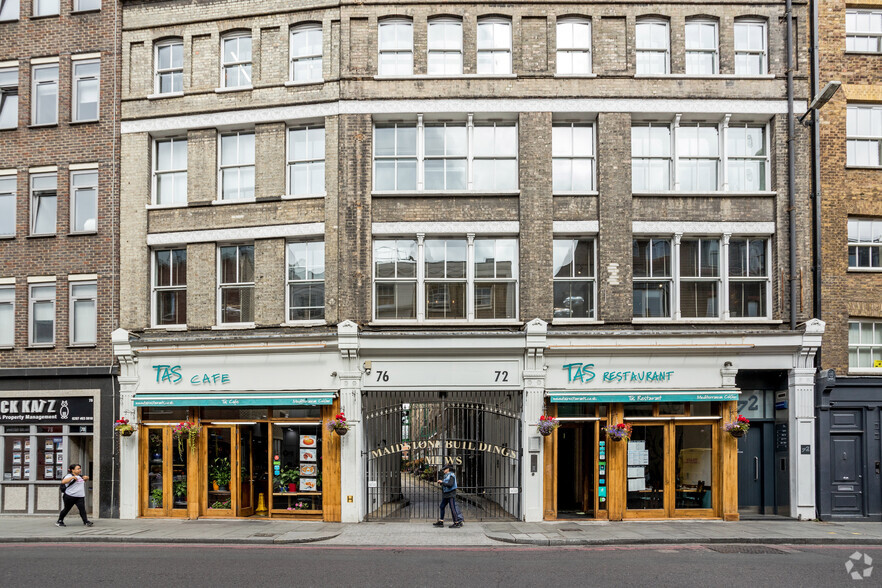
77	489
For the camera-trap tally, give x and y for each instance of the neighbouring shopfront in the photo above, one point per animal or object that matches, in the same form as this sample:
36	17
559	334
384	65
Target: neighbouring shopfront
41	434
258	445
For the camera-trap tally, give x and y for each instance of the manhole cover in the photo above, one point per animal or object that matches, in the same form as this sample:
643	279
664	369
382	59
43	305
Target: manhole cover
751	549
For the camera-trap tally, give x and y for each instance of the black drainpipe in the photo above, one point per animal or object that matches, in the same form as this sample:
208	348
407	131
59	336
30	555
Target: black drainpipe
816	176
791	165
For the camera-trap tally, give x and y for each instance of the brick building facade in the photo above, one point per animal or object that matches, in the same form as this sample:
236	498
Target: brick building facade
850	378
59	147
383	204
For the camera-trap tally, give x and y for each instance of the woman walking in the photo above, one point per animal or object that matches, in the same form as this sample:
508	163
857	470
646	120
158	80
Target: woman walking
74	494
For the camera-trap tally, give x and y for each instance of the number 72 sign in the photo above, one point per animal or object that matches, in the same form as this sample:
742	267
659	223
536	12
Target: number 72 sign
434	374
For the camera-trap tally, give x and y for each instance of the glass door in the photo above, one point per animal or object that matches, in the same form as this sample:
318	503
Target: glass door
646	470
220	498
164	483
246	469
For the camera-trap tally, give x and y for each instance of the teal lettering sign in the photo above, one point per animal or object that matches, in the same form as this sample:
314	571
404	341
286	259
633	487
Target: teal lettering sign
585	372
694	396
171	374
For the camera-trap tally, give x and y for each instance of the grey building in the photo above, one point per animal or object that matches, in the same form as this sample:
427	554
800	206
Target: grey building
447	221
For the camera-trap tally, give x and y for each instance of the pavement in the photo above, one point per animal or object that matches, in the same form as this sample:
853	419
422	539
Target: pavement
36	529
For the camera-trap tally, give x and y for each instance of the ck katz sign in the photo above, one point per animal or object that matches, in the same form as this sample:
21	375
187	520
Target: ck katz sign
46	410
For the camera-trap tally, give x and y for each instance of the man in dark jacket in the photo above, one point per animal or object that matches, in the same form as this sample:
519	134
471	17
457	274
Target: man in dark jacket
448	496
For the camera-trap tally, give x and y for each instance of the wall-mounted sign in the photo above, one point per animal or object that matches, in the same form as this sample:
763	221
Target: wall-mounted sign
683	396
443	373
635	372
46	410
448	445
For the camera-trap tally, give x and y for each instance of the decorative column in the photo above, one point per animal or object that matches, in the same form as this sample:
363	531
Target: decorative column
801	422
351	446
128	446
534	404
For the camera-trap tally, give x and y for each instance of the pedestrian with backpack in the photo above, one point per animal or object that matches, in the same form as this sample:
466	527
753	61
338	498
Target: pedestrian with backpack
448	496
73	492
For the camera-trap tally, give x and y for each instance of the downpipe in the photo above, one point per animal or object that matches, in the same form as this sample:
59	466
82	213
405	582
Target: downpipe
791	165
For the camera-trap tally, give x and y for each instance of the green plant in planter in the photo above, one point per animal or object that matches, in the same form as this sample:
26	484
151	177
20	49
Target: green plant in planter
179	489
288	475
220	471
156	497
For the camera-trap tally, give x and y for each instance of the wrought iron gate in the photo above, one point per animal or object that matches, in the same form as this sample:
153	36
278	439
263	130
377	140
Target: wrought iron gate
410	436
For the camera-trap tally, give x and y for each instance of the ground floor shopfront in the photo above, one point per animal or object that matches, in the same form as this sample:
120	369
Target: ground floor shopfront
850	447
50	419
417	401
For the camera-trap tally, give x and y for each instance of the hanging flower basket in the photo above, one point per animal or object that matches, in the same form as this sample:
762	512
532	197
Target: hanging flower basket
618	432
189	431
547	425
737	428
123	427
338	424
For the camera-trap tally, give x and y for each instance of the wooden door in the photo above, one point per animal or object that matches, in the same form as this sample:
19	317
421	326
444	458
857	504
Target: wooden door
220	448
245	452
164	489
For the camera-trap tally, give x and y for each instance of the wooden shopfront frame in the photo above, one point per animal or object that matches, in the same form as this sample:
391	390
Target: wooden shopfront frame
724	467
197	467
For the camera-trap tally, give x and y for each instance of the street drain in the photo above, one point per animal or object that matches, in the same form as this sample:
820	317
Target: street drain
576	529
264	535
749	549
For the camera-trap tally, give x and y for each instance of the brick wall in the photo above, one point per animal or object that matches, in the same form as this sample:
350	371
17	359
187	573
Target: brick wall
63	145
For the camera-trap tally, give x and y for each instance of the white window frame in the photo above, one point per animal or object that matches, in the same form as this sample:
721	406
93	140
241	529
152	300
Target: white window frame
725	157
446	158
728	279
156	289
35	197
180	174
495	47
78	6
242	66
397	50
857	134
875	349
590	158
8	302
33	300
495	157
856	242
34	98
853	34
308	244
583	48
669	158
715	52
12	10
396	279
73	302
446	280
6	92
592	279
158	71
306	29
77	79
53	4
419	280
681	143
651	277
763	51
724	280
308	162
237	165
75	195
237	284
680	279
443	51
398	158
9	191
652	22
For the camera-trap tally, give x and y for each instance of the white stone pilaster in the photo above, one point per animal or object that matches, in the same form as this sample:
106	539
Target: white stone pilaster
801	424
351	445
534	404
128	446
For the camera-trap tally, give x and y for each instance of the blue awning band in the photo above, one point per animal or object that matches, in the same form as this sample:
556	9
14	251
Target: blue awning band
644	396
236	399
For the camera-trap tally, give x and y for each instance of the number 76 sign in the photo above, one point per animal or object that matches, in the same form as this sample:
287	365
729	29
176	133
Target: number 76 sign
433	374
